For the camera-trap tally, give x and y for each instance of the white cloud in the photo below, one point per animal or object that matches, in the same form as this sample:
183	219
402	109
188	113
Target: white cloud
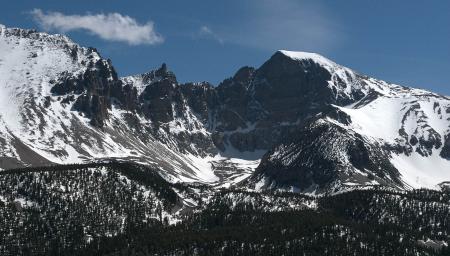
207	32
111	26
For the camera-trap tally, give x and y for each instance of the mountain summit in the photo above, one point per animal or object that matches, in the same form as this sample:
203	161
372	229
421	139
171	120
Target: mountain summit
299	122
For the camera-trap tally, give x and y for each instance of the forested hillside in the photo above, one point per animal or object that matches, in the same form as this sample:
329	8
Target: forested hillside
63	208
127	209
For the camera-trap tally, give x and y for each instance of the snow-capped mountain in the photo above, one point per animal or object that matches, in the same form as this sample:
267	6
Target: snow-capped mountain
313	124
62	103
394	136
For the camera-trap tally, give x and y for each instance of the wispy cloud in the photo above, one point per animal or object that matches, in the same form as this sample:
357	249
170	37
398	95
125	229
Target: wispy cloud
281	24
207	32
111	26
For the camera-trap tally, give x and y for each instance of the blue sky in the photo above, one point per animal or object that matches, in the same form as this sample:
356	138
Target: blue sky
405	42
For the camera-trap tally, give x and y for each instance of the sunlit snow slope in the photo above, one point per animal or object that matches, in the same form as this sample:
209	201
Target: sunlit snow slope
415	123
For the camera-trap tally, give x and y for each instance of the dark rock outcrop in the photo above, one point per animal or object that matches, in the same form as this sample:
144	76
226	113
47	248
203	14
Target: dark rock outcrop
96	90
250	111
445	152
322	154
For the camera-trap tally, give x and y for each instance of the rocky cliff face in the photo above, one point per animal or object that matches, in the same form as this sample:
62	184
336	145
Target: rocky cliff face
255	108
322	156
321	126
95	89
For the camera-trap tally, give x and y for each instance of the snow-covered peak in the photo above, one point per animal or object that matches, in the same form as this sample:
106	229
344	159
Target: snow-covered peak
319	59
57	39
346	81
30	63
334	68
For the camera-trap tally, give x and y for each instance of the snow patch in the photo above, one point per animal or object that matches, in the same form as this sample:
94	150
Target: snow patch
422	172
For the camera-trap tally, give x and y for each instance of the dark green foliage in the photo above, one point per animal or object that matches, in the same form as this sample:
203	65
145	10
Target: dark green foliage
118	209
68	206
243	223
425	213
